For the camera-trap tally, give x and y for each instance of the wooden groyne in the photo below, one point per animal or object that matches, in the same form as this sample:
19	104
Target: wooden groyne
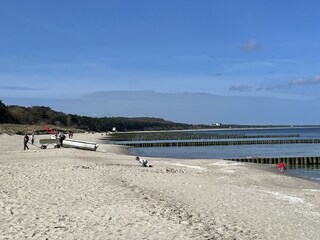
205	136
219	143
287	160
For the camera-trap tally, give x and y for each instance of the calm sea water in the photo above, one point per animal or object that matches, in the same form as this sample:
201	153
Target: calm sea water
241	151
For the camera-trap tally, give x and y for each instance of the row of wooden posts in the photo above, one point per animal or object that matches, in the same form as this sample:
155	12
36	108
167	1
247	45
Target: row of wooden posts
149	137
302	161
286	160
219	143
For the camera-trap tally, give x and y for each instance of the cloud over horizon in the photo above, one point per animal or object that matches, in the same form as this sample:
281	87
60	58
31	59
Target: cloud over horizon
305	81
17	88
251	46
240	88
293	83
279	86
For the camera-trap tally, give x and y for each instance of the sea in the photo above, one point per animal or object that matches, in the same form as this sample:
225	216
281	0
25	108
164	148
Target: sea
242	151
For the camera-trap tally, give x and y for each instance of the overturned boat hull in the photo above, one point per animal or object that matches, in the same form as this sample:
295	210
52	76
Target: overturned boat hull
84	145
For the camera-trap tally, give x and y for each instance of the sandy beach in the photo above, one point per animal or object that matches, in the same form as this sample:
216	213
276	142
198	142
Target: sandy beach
75	194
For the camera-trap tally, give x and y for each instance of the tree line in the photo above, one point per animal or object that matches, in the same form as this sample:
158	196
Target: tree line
41	115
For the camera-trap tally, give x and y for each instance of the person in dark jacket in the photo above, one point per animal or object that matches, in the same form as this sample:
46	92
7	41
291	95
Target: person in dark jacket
25	141
61	137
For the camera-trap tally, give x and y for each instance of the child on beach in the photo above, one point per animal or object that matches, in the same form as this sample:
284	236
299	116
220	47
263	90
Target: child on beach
143	162
281	166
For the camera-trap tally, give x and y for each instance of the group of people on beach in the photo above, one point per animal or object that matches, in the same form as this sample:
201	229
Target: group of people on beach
60	136
142	162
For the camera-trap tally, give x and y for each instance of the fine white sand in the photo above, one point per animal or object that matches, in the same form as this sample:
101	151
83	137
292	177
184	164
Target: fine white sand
76	194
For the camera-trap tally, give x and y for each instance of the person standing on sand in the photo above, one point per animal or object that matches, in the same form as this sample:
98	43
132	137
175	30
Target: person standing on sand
25	141
70	134
61	137
32	138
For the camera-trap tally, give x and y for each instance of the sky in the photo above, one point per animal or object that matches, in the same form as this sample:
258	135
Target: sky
190	61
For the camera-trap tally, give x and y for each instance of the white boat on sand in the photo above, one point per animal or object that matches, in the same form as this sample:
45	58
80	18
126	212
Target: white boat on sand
84	145
69	143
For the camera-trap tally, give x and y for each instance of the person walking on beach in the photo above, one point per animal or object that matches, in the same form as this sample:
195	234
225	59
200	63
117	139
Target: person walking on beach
281	166
143	162
25	141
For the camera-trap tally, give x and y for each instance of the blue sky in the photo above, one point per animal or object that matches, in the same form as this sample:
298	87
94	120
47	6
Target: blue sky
194	61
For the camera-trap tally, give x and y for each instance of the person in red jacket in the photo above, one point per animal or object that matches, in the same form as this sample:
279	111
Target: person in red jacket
281	166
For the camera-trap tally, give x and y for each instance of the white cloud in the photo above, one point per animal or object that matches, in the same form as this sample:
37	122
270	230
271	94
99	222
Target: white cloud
18	88
240	88
250	46
293	83
305	81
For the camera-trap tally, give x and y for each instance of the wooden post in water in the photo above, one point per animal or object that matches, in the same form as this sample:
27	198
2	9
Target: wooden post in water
289	161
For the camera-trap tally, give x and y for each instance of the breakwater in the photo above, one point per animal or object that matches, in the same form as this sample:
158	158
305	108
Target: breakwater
297	147
292	161
217	143
156	136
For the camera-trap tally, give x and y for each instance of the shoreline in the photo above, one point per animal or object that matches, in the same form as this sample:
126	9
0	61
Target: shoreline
74	194
269	167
